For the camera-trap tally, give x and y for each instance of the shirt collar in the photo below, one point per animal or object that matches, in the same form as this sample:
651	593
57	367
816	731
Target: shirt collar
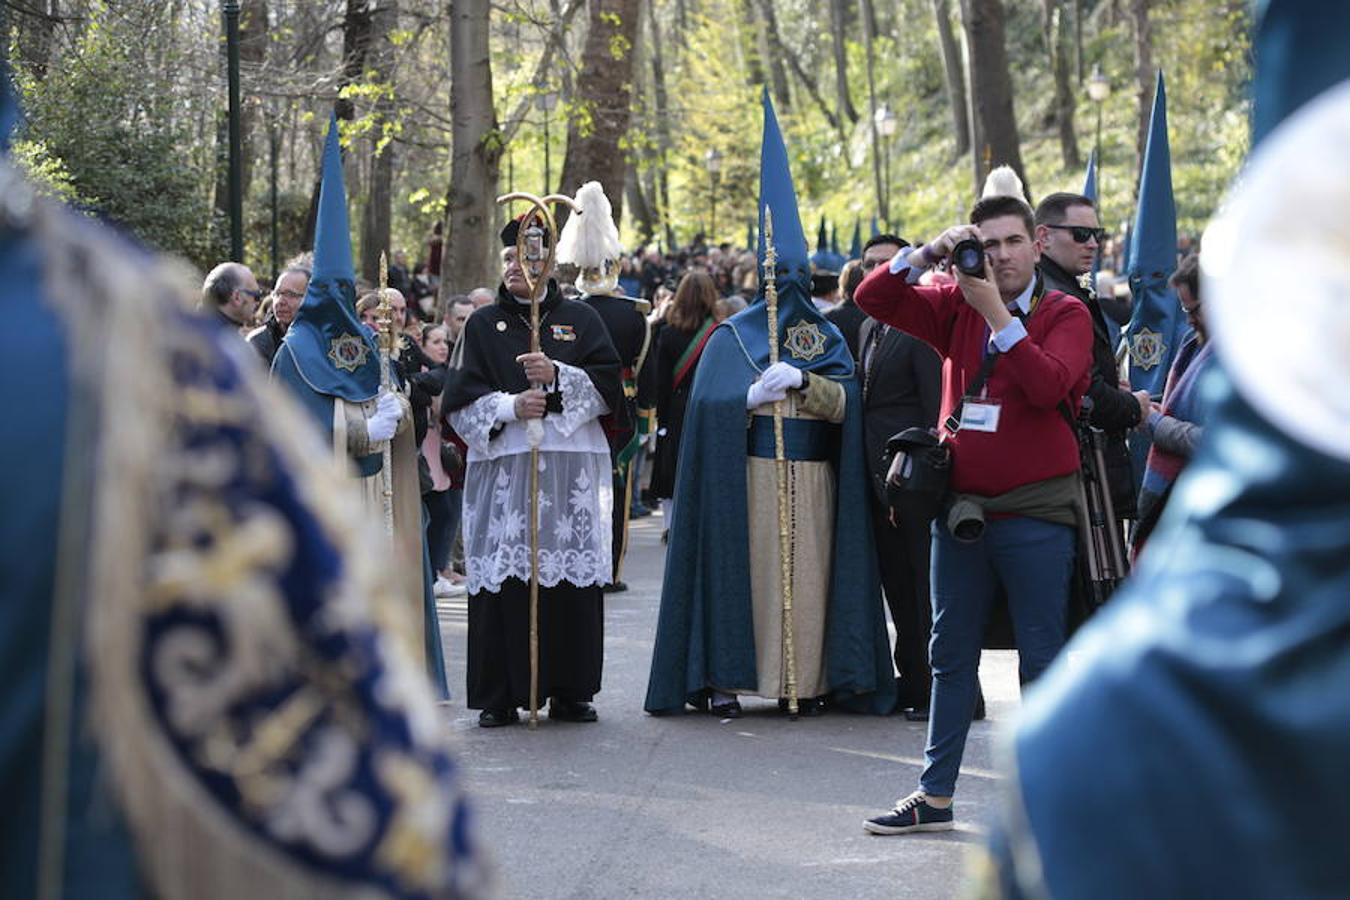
1023	301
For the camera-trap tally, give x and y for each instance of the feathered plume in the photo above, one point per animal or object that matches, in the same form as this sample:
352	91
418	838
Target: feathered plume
1003	182
590	240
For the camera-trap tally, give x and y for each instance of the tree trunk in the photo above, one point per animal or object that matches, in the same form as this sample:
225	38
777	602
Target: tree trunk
1078	41
838	29
35	23
953	75
774	52
755	48
1145	76
878	149
991	90
475	159
1056	31
355	45
604	87
253	32
643	216
663	136
377	215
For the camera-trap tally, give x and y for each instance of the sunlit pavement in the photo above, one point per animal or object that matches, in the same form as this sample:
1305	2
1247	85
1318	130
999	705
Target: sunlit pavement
690	806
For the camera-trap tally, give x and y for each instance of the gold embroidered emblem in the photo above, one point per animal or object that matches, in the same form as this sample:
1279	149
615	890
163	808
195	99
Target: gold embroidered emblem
348	352
805	341
1147	349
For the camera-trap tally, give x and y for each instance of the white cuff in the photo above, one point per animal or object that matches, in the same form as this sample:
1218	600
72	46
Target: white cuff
900	263
1008	336
506	408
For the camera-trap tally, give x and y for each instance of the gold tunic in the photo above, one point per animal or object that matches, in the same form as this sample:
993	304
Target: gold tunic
812	493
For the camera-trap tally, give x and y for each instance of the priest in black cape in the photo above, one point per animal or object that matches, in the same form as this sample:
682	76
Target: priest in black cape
720	625
495	393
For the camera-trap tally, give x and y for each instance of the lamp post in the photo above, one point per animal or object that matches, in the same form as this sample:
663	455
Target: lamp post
236	196
548	101
886	123
713	160
1098	89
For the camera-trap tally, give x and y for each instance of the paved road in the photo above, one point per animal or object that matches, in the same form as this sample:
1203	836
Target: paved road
691	806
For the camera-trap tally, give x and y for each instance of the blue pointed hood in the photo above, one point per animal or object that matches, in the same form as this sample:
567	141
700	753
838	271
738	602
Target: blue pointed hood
822	260
9	108
817	346
1299	51
1090	180
1157	326
855	249
335	354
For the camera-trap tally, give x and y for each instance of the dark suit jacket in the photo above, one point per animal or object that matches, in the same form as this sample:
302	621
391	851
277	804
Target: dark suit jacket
902	388
849	320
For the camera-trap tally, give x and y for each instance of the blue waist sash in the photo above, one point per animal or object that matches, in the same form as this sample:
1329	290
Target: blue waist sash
804	440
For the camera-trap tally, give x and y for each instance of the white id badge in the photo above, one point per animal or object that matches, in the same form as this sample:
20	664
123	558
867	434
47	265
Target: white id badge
980	415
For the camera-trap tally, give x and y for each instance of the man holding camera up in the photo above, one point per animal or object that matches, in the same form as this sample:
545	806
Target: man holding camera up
1019	359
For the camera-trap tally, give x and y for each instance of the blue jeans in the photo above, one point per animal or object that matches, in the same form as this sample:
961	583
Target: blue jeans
1033	561
444	509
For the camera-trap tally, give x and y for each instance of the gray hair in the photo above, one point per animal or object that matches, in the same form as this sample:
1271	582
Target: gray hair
221	283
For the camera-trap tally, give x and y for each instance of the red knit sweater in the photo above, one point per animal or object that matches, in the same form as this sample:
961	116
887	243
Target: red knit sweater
1052	363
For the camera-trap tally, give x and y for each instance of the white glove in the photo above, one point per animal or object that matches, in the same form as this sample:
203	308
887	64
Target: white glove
781	376
382	425
760	393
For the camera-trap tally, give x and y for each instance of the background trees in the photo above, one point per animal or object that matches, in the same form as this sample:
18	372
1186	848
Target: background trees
444	103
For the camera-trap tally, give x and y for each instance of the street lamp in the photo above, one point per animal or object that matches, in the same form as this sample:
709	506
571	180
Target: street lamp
230	8
713	160
886	123
548	101
1098	89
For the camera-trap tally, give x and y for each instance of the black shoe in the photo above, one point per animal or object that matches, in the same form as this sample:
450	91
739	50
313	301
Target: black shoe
916	714
571	711
806	706
496	718
614	587
729	710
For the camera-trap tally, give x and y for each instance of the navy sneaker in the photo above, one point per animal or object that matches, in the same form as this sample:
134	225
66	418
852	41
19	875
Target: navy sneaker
912	814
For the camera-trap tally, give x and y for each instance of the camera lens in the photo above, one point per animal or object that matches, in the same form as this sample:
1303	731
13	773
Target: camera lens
968	257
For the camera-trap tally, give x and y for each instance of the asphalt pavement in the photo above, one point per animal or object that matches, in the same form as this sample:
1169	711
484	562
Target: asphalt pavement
694	806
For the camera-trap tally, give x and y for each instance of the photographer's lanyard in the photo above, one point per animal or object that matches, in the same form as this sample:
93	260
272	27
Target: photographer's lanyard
977	411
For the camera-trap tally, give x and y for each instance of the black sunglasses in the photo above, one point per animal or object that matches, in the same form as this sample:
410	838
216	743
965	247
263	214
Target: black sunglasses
256	295
1081	234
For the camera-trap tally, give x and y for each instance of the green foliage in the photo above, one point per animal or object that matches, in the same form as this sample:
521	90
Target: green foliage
106	135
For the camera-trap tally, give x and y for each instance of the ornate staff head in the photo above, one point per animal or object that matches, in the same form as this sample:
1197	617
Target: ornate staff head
536	237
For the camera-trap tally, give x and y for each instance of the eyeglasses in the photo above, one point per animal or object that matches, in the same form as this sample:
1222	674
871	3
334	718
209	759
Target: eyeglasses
256	295
291	295
1081	234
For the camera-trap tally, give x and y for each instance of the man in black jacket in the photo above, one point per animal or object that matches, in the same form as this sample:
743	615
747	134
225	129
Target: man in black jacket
902	387
1067	229
287	295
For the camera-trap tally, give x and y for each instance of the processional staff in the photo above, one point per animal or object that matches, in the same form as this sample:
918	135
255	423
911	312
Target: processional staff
781	470
536	244
385	320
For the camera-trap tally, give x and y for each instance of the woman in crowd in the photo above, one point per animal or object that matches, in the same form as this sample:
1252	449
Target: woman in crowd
689	322
441	459
1176	425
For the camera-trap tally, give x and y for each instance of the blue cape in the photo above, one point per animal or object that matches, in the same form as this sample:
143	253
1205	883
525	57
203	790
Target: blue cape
1213	681
705	632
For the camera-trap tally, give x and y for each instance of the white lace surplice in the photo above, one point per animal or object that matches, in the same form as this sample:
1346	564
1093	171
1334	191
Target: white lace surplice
576	493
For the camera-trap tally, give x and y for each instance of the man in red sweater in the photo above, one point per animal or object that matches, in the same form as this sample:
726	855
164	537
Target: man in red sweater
1014	461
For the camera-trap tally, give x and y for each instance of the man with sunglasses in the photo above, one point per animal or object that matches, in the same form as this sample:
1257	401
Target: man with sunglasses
1067	230
230	293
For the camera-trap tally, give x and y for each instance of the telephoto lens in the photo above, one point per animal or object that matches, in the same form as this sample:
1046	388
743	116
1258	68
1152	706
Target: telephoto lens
968	256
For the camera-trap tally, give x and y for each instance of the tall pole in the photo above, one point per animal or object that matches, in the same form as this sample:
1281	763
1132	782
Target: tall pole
548	176
231	8
712	193
274	136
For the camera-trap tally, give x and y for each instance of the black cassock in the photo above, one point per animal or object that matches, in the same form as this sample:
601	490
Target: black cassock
574	485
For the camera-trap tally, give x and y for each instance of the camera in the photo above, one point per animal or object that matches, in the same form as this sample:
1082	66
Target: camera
968	256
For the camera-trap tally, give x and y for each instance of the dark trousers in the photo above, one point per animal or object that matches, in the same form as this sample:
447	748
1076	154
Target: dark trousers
903	554
619	521
571	644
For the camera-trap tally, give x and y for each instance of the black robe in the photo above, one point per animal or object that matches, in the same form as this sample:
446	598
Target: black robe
571	618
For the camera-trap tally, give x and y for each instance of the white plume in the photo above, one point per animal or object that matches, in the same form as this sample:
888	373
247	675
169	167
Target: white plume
1003	182
590	239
